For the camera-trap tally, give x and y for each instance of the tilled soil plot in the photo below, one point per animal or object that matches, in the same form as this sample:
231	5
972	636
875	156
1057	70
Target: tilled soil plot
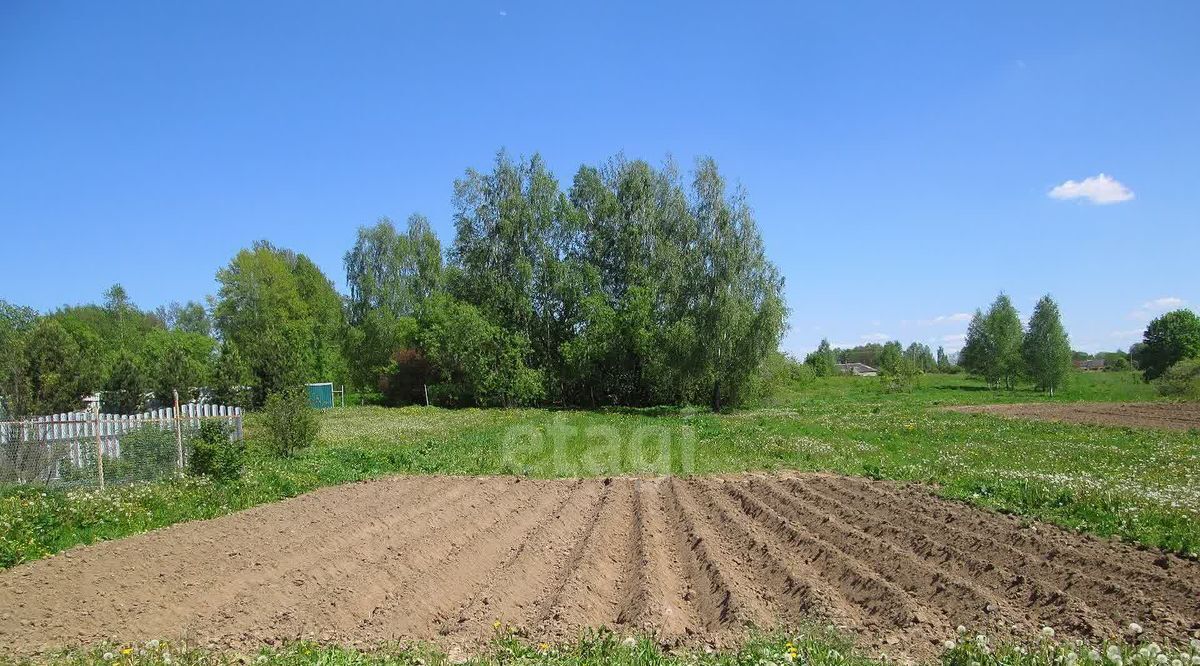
692	561
1172	415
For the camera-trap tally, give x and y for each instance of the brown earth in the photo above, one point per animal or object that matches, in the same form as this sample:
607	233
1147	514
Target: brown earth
692	561
1171	415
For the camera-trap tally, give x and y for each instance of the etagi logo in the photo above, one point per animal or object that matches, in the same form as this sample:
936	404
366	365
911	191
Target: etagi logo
562	449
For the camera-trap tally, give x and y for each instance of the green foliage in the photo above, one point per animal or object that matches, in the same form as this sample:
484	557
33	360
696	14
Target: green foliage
230	377
1181	380
823	361
1169	339
478	363
176	361
1046	348
60	368
125	387
890	358
214	454
993	346
283	316
290	422
628	289
921	356
190	317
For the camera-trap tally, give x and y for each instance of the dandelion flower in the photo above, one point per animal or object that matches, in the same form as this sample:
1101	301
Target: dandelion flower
1135	627
496	624
1161	658
1048	632
1094	655
127	651
1113	653
108	656
152	644
1176	662
949	645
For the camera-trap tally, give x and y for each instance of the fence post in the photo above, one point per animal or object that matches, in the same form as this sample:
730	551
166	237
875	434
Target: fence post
99	446
178	431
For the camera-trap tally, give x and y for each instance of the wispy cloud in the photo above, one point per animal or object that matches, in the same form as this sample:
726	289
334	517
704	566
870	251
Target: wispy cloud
946	319
503	12
1155	307
1101	189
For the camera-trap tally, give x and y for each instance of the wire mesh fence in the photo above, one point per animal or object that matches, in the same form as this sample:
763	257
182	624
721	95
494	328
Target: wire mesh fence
93	449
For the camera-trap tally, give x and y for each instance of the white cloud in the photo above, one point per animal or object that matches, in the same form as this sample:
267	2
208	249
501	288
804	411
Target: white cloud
875	337
1102	189
1164	303
1155	307
957	337
946	319
503	13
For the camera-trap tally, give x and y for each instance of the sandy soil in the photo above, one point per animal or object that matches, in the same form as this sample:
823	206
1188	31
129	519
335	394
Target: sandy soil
690	560
1173	415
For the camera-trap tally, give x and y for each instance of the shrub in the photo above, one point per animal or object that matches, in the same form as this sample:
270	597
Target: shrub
214	454
1181	380
290	422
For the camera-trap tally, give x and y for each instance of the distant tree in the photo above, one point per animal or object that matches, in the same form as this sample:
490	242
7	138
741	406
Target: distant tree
190	317
177	361
1005	333
284	317
230	377
124	389
974	357
61	369
890	357
1169	339
390	276
1046	348
15	324
823	361
943	361
921	356
478	362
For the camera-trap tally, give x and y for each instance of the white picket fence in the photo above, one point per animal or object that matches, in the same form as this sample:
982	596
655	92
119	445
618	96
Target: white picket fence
45	443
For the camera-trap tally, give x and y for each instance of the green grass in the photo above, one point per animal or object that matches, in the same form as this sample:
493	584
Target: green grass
1142	485
808	647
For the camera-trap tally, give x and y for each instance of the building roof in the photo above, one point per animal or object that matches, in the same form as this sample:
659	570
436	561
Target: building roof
855	367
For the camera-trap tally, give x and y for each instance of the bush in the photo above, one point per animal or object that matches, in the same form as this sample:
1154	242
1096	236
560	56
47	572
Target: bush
1181	380
290	422
214	454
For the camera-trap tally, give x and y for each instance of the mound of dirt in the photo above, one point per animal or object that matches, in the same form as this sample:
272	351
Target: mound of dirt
1170	415
691	560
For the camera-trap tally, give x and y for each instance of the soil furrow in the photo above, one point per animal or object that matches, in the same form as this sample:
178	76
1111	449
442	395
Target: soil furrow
689	561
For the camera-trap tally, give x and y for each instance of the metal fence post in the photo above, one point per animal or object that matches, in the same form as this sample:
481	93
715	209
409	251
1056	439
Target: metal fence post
178	431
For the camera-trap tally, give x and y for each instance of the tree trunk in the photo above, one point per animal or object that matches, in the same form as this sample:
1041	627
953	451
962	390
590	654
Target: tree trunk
716	396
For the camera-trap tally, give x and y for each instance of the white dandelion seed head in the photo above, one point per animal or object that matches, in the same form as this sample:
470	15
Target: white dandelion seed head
949	645
1161	658
1154	649
1048	632
961	630
1135	627
1094	655
1113	652
1144	652
108	656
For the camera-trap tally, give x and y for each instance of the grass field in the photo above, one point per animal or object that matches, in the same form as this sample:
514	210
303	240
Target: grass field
1140	484
813	647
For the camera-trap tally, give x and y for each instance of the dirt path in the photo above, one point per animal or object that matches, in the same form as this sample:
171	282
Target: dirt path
1170	415
690	560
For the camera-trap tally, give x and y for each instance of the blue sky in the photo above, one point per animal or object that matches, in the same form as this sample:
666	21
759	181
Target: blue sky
900	157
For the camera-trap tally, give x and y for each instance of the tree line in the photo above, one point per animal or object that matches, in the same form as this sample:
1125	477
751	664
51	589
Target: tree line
632	286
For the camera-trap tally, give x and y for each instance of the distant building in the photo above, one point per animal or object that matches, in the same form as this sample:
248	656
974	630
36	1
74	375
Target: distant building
1093	364
857	369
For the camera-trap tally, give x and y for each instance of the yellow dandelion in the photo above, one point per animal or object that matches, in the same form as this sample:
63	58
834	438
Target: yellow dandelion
496	624
127	651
